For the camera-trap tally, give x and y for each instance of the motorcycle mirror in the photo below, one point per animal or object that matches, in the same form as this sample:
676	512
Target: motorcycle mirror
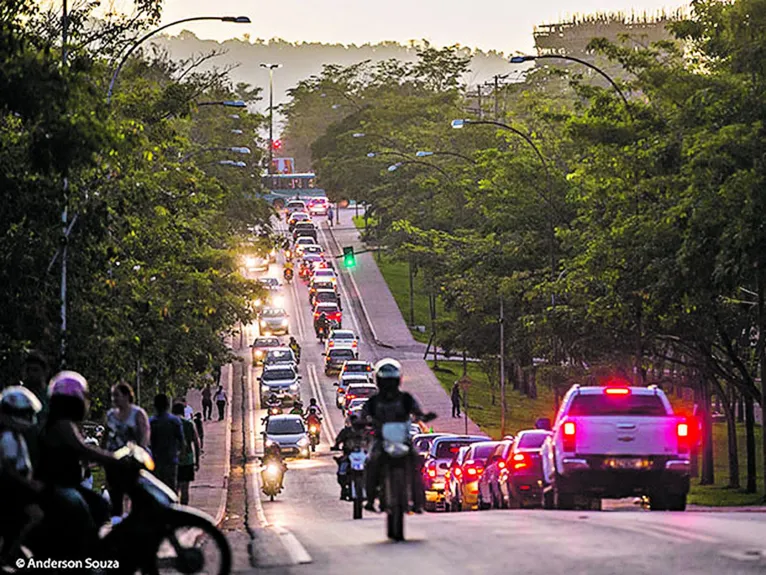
323	353
335	384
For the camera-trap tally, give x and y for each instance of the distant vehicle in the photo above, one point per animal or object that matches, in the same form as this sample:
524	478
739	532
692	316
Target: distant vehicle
295	206
256	263
355	406
438	460
422	442
280	356
295	218
281	380
467	485
274	321
359	391
270	283
285	187
289	432
261	346
341	337
301	242
336	357
495	476
317	284
524	468
314	249
344	380
325	275
318	206
356	367
613	442
305	229
325	296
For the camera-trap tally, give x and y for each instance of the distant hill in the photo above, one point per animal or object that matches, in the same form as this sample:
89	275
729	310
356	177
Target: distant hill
300	61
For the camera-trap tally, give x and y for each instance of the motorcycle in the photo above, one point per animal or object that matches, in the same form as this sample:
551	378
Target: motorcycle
288	275
275	410
321	333
157	534
314	435
271	478
357	461
397	469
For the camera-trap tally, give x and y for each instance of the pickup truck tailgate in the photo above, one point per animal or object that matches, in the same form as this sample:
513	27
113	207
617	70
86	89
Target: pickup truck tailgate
615	435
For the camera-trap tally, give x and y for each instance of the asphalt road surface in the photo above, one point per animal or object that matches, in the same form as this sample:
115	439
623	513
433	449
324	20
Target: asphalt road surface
309	530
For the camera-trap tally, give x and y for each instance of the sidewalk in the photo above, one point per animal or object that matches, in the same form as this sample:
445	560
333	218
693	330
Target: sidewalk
210	486
389	328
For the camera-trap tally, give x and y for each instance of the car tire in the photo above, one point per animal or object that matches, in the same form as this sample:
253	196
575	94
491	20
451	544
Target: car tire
481	505
548	502
676	502
561	499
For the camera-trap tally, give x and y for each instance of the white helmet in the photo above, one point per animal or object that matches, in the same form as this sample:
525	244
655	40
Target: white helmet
20	406
388	373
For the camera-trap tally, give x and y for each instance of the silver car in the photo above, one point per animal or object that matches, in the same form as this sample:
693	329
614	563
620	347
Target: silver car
289	432
274	321
282	381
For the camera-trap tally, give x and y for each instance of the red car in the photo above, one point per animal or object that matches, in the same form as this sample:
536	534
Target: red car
331	310
524	479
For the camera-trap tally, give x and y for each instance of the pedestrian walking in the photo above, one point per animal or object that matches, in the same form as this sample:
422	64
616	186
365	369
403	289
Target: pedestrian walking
200	430
220	401
188	411
188	459
167	440
455	396
207	403
329	216
126	423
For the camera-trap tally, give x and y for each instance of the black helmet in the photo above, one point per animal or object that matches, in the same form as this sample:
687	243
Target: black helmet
388	374
313	401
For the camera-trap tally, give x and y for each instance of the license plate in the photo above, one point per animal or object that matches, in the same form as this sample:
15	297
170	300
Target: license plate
628	463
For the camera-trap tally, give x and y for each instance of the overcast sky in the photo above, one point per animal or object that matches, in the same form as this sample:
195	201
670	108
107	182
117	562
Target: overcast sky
503	25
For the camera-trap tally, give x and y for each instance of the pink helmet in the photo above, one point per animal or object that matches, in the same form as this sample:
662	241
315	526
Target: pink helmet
69	384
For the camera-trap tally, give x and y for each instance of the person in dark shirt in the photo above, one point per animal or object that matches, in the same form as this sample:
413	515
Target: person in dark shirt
200	430
167	440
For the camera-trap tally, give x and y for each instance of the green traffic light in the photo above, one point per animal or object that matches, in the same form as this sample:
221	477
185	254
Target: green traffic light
349	258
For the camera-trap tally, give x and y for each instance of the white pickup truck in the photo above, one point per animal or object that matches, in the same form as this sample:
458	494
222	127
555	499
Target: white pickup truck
613	442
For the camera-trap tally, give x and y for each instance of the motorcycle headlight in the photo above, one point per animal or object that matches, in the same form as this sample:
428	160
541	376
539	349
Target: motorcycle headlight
284	322
269	442
259	353
263	323
303	441
258	302
313	429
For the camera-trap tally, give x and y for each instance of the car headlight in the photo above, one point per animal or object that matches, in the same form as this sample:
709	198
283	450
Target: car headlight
295	387
263	323
258	353
284	322
258	302
303	441
269	442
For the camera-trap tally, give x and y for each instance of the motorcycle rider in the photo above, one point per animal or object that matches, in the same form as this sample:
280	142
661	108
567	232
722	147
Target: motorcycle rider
297	409
322	323
313	419
389	405
273	455
273	402
72	512
19	409
349	438
288	271
313	405
295	346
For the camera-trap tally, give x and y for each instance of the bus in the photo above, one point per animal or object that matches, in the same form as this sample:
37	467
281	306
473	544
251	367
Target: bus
280	188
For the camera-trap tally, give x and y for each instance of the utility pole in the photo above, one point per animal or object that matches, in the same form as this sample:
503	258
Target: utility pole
502	369
271	68
65	209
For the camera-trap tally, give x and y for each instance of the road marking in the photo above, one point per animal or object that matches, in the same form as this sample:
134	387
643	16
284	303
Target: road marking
297	552
329	428
685	534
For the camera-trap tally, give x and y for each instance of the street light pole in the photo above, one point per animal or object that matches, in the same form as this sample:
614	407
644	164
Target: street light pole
502	369
271	68
145	37
65	209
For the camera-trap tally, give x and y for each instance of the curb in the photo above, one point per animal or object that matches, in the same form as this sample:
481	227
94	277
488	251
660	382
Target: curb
365	313
221	513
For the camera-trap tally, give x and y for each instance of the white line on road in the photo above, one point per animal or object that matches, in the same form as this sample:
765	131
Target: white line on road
329	428
297	552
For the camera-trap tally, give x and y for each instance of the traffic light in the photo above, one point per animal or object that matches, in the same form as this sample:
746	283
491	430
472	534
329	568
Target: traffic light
349	258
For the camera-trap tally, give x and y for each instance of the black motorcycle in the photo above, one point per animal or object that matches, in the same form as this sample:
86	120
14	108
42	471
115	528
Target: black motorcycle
157	534
321	333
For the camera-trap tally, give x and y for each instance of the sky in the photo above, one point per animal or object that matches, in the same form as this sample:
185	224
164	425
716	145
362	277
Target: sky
502	25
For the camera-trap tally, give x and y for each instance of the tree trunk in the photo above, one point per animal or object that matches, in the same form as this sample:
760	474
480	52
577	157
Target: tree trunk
741	408
708	470
762	360
533	384
731	432
750	442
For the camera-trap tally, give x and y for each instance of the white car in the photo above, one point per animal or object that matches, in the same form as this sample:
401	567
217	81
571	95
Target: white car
324	274
301	243
613	442
341	337
295	206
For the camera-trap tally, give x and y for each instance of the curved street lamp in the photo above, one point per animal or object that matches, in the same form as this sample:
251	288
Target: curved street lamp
427	153
522	59
235	149
387	153
271	68
225	103
144	38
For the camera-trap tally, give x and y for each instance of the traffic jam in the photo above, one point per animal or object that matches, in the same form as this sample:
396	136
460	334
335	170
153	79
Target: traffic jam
609	441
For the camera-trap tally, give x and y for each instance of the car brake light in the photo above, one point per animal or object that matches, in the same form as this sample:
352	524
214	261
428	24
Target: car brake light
520	461
458	472
617	391
501	464
431	469
569	436
683	430
350	396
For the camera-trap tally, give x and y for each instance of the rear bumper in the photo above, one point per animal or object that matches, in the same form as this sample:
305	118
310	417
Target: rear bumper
593	476
526	487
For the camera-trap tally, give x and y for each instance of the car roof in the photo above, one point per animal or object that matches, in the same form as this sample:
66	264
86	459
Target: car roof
286	416
358	362
599	390
335	332
296	202
429	435
325	290
461	437
492	443
280	349
268	337
358	385
327	304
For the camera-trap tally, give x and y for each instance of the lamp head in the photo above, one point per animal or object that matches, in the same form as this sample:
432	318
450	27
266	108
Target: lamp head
234	103
457	124
240	150
236	19
521	59
394	167
423	154
359	135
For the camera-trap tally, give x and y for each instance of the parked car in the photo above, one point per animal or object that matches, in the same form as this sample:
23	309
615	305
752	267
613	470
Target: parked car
495	473
261	346
336	357
466	489
282	381
438	460
289	432
524	470
344	381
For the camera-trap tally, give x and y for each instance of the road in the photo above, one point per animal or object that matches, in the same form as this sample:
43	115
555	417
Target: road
308	530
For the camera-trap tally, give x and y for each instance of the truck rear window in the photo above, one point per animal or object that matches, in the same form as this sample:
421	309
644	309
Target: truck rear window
638	405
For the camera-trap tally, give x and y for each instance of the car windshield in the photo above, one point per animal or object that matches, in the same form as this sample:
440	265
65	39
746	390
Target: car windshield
531	440
342	335
304	225
357	403
366	391
266	342
327	308
278	374
483	452
274	312
606	405
448	449
269	281
341	354
276	354
295	205
305	241
290	426
322	285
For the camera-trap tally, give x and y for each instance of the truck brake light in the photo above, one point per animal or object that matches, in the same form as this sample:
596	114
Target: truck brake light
683	430
617	391
570	431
